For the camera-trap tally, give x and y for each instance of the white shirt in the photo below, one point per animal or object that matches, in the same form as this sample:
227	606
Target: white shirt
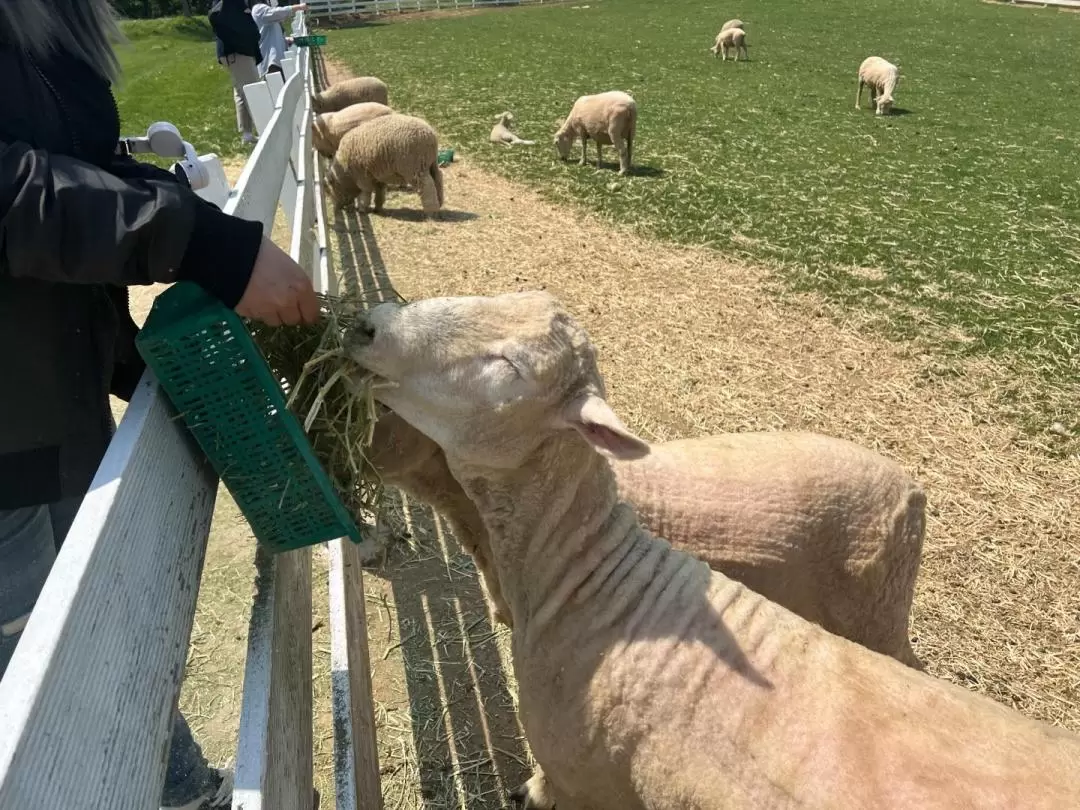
271	36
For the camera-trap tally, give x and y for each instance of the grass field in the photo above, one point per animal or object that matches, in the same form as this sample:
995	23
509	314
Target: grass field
958	219
171	74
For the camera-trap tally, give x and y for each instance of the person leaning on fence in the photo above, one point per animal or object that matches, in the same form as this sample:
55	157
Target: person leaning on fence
268	17
79	223
238	50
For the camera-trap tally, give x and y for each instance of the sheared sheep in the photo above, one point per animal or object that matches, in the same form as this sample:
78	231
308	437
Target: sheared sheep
646	680
501	132
733	24
327	129
606	118
391	150
349	91
880	78
730	39
826	528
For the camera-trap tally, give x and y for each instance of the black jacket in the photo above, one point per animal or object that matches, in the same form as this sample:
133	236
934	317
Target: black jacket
234	28
77	225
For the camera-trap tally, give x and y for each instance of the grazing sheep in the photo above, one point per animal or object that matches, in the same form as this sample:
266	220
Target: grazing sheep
391	150
606	118
733	24
880	78
327	129
730	39
646	680
341	94
826	528
501	133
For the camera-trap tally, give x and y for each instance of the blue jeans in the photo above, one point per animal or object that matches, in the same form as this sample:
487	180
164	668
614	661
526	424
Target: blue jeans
29	541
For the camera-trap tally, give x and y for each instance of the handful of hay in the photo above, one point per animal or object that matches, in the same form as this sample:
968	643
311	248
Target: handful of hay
321	389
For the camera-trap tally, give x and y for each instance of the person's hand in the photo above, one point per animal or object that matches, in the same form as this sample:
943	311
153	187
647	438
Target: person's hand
279	291
300	7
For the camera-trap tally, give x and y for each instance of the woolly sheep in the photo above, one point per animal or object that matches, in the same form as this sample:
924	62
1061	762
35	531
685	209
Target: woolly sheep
733	24
645	680
391	150
501	133
349	91
730	39
327	129
826	528
880	78
607	118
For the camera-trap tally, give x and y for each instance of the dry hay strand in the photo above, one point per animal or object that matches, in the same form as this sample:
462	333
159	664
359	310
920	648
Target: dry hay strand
331	396
693	344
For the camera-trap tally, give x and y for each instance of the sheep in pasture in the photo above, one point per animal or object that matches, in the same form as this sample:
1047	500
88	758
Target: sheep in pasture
733	24
390	150
341	94
826	528
327	129
501	132
607	118
646	680
880	78
730	39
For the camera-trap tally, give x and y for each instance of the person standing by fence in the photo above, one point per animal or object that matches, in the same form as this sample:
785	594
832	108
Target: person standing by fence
80	222
238	51
268	17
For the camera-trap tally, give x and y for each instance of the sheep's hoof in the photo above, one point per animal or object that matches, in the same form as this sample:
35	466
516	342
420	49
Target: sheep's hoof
534	794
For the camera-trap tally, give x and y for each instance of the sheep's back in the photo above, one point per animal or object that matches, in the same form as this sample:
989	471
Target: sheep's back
394	149
351	91
594	113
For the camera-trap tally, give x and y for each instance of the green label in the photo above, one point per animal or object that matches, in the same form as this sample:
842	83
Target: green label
314	39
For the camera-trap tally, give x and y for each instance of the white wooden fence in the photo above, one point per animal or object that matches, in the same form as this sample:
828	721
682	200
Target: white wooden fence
327	8
86	703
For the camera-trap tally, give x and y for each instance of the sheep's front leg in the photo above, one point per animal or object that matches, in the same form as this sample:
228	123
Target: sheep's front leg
584	150
380	196
536	794
599	156
858	95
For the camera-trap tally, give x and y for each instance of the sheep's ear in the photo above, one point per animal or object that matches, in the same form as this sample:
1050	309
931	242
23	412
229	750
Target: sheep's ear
592	417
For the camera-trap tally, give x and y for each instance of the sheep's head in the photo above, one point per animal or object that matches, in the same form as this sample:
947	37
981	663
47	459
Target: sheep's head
564	139
340	185
489	379
884	104
320	137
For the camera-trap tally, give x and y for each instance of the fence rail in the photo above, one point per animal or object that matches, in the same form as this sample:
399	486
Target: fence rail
329	8
87	700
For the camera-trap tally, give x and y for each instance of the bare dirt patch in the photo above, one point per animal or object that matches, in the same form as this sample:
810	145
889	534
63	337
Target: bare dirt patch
692	344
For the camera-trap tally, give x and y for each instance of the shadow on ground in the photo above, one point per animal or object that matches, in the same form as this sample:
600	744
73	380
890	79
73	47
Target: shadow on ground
447	726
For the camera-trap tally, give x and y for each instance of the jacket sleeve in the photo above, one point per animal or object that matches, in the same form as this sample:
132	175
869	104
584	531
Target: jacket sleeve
63	220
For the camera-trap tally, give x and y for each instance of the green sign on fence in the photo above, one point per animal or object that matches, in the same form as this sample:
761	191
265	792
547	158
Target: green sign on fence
308	41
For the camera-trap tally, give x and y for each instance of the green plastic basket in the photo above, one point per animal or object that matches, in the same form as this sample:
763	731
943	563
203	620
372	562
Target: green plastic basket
446	156
218	380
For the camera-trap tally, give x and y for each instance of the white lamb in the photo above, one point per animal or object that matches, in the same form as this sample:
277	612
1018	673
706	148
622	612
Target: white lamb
501	132
880	78
392	150
341	94
646	680
607	118
733	24
328	129
826	528
730	39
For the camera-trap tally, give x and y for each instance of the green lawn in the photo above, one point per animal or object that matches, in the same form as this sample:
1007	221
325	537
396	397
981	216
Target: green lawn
963	212
171	74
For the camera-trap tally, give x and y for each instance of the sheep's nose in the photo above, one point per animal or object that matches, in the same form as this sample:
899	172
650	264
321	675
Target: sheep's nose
362	332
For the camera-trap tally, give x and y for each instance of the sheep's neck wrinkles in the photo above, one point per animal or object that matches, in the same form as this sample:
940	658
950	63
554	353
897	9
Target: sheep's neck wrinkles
552	523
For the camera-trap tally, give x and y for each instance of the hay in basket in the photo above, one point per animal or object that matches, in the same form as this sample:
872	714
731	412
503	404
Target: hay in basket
331	398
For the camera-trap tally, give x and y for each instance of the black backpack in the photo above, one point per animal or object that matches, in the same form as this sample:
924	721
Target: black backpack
235	29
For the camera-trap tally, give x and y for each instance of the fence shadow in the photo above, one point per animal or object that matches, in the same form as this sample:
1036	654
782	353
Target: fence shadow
469	748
